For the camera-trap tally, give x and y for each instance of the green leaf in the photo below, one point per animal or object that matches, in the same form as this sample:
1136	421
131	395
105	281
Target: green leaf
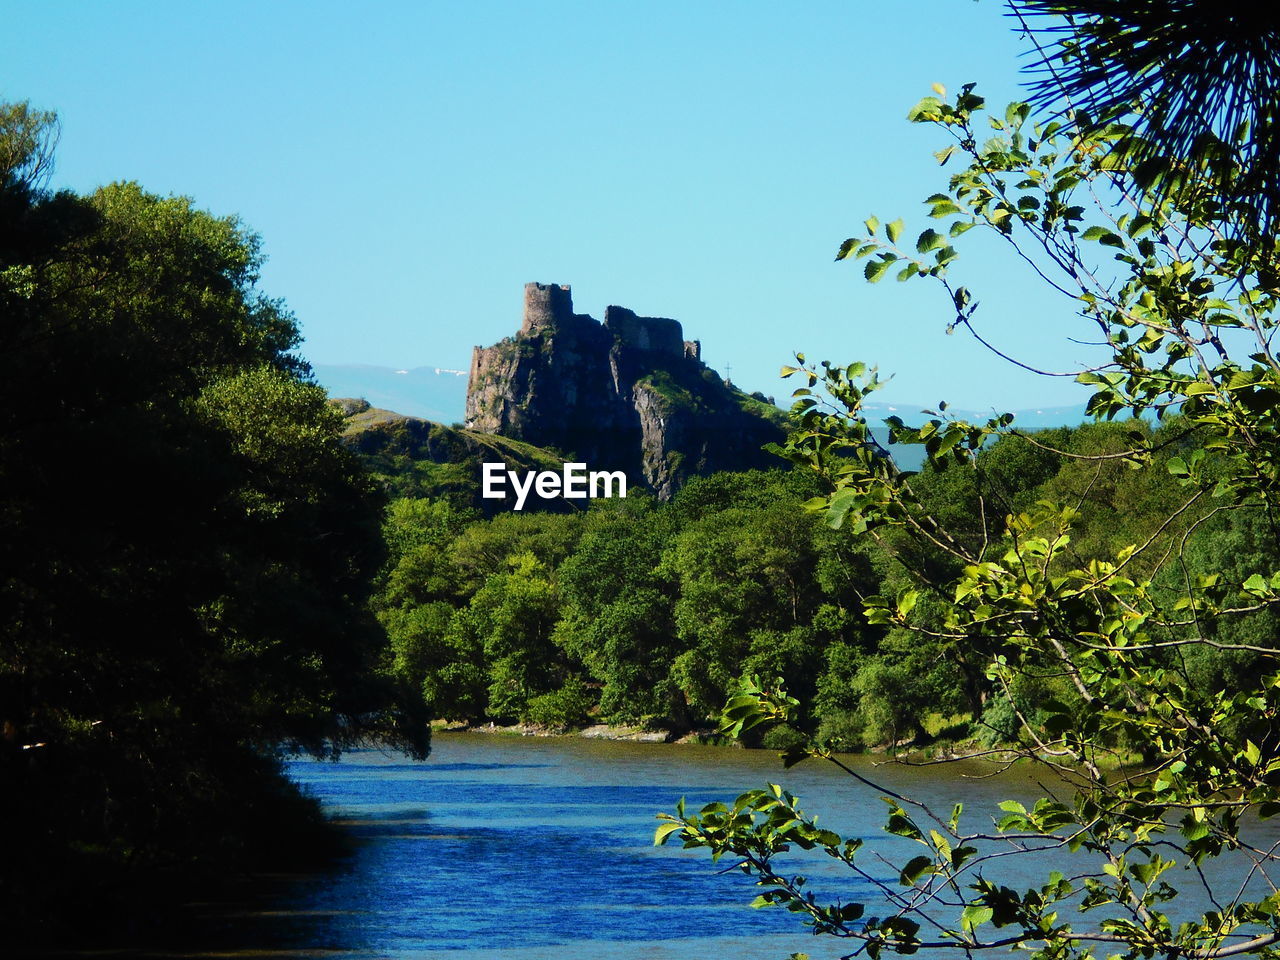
1016	113
664	831
926	109
1194	829
900	825
915	868
894	230
839	507
942	205
930	240
876	269
793	755
975	915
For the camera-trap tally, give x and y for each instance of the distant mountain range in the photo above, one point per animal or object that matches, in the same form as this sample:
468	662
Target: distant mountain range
440	394
1034	418
432	393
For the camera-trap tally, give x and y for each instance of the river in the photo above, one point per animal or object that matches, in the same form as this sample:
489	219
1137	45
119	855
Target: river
499	848
513	848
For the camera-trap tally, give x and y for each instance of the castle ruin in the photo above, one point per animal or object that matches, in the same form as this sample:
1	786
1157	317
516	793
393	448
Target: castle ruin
629	393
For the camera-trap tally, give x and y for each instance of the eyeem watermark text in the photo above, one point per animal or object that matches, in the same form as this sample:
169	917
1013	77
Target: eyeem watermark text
575	482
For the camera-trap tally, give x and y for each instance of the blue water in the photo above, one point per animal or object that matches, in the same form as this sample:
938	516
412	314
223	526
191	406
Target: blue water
508	848
538	848
505	847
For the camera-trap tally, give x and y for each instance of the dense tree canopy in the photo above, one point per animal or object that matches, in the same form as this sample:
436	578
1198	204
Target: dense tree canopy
185	546
651	613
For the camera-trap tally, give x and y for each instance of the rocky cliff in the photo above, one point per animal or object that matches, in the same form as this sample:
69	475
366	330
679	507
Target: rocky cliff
626	394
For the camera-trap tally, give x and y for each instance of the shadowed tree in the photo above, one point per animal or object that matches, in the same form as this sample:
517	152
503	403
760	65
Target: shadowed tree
186	548
1199	80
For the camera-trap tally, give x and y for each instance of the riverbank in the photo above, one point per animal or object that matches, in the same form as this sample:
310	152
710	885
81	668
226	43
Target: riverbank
596	731
944	740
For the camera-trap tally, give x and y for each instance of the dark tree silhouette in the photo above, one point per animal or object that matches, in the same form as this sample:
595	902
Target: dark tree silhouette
1199	80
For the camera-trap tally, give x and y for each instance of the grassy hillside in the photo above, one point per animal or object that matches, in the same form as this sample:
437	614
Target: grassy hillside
413	457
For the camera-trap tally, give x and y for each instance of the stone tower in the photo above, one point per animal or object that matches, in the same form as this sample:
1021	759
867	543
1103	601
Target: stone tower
545	305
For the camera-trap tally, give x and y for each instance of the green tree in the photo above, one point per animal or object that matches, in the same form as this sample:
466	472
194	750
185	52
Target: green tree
1114	631
185	546
747	596
418	593
511	619
483	549
27	141
617	615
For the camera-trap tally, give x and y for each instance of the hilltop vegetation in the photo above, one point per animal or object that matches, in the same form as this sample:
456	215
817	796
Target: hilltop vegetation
411	457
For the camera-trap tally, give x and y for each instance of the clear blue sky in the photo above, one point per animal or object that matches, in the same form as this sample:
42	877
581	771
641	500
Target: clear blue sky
411	165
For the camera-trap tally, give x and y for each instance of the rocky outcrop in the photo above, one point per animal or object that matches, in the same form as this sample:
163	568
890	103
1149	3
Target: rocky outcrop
627	394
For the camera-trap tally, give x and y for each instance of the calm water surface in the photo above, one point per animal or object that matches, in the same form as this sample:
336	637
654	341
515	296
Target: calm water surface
508	848
499	848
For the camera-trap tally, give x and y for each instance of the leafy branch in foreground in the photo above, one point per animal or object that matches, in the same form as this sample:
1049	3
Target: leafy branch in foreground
1143	768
